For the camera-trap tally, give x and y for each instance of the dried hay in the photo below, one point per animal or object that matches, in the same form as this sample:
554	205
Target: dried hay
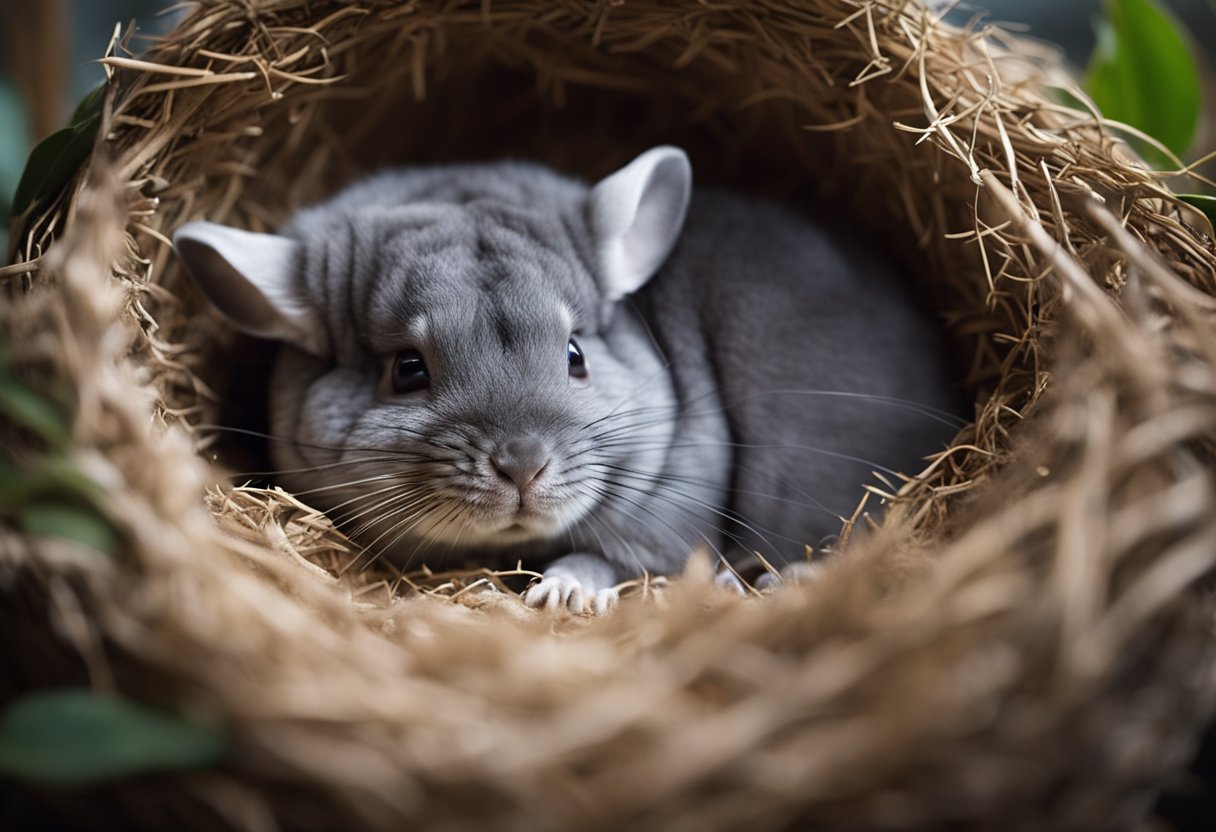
1025	642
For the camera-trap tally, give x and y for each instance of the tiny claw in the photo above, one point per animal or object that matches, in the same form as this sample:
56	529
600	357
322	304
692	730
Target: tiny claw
556	591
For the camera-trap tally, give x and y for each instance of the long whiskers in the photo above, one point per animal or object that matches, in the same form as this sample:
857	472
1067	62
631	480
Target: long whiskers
684	502
310	469
404	527
400	430
605	491
409	516
399	500
660	414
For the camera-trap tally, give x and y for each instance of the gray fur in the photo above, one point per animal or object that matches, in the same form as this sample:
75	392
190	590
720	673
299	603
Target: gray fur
713	392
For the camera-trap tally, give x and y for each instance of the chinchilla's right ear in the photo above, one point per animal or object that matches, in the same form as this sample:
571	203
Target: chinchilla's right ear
636	215
251	278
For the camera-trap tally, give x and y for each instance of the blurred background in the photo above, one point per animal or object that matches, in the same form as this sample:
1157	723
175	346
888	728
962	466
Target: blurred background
49	48
1070	23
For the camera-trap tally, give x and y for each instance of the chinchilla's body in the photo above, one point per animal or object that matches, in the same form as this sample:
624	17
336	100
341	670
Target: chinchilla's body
496	362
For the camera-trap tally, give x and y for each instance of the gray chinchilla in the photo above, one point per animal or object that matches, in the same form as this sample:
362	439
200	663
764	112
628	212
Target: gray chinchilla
495	361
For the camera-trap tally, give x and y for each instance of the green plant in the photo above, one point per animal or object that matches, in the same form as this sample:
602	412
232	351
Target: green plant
73	736
76	736
1144	72
43	491
57	157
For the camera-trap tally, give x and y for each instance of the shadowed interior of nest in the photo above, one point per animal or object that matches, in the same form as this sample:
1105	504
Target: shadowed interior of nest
987	696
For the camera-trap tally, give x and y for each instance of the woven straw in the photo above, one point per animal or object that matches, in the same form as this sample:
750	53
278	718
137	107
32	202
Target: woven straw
1023	642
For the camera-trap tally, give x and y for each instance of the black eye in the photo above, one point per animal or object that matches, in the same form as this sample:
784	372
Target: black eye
409	372
574	357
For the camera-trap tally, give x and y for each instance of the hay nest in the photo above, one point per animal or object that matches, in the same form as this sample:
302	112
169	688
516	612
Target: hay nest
1024	642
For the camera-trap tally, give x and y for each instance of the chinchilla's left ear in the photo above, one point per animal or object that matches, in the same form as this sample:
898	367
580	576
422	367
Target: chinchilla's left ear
252	279
636	215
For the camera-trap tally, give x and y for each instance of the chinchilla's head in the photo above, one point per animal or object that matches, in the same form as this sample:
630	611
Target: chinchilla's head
457	366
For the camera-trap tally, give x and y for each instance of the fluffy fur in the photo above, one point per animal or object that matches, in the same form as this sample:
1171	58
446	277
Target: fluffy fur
737	401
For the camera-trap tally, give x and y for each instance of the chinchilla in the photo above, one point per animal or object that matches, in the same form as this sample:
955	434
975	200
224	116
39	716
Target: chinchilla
495	362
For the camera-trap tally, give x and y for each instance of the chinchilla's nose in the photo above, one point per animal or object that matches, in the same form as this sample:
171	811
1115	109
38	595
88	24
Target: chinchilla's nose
521	459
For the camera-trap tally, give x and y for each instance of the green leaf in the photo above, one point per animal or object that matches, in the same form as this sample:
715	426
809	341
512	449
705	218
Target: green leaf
29	410
79	736
72	523
1142	72
61	475
57	157
47	478
89	105
15	486
1204	202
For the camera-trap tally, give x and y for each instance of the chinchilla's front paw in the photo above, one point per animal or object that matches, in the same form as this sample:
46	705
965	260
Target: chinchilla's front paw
577	582
556	591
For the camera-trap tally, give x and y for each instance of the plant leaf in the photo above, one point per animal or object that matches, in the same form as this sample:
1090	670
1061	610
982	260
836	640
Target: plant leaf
54	478
1142	72
55	159
72	523
75	736
89	105
26	408
61	475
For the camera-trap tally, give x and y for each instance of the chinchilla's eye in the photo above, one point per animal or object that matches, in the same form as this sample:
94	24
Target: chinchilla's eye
574	357
409	372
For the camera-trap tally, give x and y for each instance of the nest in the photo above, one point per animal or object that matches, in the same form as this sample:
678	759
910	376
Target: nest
1023	642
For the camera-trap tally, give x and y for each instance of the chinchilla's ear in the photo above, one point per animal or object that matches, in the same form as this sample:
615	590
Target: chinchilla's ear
250	277
636	215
